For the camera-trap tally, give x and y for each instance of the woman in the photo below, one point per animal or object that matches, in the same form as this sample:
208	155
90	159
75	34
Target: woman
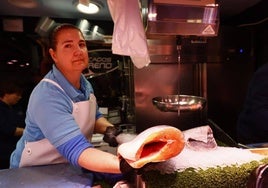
62	112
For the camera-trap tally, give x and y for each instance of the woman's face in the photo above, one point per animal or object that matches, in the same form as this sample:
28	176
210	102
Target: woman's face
70	54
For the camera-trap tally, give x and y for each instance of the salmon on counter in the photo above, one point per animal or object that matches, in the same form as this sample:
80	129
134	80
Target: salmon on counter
155	144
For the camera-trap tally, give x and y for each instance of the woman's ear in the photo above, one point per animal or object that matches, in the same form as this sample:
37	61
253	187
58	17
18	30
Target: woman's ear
52	54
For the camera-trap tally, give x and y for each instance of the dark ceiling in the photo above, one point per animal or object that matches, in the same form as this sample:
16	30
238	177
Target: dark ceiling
231	11
243	12
51	8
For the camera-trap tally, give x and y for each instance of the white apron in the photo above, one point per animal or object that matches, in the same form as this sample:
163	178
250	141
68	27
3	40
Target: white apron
42	152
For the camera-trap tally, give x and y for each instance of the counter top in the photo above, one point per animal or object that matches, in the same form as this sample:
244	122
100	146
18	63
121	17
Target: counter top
49	176
53	176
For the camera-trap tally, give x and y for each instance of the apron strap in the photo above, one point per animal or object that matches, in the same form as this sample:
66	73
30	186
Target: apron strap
53	82
56	84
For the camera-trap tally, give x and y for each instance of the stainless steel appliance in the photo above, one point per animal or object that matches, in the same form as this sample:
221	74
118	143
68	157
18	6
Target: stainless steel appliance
169	74
177	32
182	17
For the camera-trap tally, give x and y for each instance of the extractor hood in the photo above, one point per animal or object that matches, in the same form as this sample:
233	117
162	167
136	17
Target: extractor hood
182	17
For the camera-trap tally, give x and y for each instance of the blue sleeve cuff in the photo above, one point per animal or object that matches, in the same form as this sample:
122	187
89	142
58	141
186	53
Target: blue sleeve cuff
99	116
72	149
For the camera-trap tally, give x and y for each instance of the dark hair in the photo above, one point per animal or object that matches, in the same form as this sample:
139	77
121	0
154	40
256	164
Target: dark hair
53	35
9	86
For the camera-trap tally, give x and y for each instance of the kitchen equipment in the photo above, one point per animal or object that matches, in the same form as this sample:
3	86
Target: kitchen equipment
169	25
168	77
173	103
182	17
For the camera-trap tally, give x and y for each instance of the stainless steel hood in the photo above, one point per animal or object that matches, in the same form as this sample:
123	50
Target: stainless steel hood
182	17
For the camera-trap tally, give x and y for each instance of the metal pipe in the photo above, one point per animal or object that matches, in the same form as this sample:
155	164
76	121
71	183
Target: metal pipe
179	71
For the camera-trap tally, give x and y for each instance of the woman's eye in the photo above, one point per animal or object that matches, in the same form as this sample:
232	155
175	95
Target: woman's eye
82	44
68	46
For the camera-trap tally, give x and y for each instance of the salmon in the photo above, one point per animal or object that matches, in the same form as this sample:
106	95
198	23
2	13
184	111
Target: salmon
155	144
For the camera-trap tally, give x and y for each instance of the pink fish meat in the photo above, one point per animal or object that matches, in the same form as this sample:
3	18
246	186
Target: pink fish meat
155	144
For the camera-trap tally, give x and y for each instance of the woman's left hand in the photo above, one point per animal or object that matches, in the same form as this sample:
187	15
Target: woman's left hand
110	135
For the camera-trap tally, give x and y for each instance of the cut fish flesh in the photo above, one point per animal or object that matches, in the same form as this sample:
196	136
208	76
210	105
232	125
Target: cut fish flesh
155	144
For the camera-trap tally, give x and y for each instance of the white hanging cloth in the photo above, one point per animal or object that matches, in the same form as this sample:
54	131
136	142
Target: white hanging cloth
128	35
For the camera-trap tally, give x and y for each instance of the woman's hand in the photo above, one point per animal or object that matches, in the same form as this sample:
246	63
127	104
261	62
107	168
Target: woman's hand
110	135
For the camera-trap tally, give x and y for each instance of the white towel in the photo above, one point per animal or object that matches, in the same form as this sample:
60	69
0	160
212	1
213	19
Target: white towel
128	35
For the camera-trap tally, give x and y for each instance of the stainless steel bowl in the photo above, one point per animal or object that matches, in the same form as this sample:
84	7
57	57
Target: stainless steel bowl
173	103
